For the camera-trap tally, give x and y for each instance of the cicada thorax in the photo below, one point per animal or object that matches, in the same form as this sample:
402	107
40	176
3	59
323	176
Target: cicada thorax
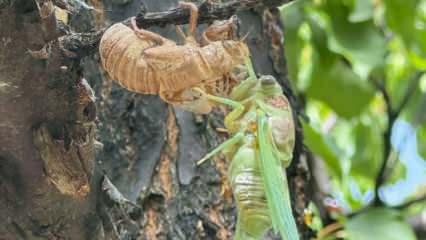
282	126
249	192
224	86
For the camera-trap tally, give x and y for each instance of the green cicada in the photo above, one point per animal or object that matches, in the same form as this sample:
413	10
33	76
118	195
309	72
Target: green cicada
261	145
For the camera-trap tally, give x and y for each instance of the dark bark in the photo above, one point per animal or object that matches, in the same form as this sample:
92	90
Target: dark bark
51	182
46	136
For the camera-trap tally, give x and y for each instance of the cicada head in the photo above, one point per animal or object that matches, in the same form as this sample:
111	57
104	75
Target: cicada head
237	50
269	86
222	30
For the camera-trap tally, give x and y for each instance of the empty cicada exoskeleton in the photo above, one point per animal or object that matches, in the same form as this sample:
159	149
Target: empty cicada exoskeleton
145	62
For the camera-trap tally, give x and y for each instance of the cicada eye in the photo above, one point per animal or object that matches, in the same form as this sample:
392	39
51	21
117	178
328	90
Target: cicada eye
267	80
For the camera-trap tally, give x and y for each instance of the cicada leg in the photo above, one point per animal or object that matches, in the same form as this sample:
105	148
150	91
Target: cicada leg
243	90
188	100
194	102
180	32
232	116
193	18
148	35
228	143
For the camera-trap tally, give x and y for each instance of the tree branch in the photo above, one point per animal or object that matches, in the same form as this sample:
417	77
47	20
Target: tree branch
208	12
392	115
411	202
397	207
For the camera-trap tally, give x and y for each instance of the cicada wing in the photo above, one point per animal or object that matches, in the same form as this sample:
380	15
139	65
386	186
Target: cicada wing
275	183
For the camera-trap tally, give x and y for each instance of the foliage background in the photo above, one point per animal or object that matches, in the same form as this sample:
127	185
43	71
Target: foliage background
359	65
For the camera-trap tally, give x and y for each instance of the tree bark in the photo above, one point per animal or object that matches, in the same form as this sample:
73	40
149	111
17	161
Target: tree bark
59	144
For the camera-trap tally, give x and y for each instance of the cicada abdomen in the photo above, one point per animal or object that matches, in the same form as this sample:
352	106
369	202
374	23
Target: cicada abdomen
249	193
121	54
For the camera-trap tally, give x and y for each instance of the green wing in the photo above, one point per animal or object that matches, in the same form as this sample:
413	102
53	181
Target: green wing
275	182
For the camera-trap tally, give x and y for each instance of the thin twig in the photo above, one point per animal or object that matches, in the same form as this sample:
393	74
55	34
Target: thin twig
411	202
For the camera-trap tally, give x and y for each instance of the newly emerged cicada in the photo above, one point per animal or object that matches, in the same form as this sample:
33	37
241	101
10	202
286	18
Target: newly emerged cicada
260	147
145	62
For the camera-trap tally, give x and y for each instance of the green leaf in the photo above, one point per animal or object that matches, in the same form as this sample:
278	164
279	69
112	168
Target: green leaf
360	42
339	87
331	80
368	144
325	77
292	16
398	69
362	11
414	109
379	224
321	147
408	19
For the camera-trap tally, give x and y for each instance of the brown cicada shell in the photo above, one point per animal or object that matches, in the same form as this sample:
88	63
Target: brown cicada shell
145	62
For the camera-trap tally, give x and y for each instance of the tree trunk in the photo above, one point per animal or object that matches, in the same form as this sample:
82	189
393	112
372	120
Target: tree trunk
52	169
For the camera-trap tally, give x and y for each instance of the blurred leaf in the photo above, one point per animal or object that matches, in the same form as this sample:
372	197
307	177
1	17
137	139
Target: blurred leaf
292	15
321	147
361	42
368	143
408	19
398	69
362	11
339	87
332	81
414	209
414	109
321	74
419	117
353	197
379	224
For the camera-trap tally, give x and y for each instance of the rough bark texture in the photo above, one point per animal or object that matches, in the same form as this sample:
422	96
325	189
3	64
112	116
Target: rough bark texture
50	180
46	135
